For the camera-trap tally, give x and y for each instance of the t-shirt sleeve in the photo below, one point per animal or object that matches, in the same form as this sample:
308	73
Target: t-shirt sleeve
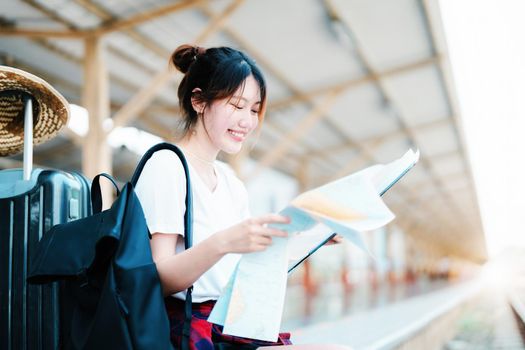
161	190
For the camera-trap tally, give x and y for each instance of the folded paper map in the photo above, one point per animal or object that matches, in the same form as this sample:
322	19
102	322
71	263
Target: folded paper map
251	304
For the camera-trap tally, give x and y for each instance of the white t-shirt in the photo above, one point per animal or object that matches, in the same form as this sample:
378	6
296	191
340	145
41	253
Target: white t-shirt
161	190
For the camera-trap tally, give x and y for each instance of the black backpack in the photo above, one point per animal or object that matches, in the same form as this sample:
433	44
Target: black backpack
105	259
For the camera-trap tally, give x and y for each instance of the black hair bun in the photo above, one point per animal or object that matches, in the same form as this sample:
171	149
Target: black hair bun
184	56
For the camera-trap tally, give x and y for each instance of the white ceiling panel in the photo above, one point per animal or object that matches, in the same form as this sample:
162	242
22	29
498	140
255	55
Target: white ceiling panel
307	65
297	47
72	12
180	28
417	175
25	51
360	113
138	51
74	48
455	183
391	150
125	71
390	32
418	95
320	137
345	158
449	164
26	16
428	193
123	8
275	89
439	140
321	167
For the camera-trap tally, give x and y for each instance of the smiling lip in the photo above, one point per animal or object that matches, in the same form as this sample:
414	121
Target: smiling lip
237	135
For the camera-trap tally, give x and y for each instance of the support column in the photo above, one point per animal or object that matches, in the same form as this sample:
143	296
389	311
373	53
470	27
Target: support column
308	281
96	153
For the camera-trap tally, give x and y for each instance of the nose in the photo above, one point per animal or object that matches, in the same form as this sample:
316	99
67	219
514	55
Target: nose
248	122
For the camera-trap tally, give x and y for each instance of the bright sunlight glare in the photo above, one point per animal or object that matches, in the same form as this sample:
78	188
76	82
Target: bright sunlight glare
487	53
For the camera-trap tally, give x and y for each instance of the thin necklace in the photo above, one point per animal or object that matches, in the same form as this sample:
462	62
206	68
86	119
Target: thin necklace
199	158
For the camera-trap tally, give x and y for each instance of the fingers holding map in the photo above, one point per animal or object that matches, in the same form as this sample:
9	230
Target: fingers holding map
251	304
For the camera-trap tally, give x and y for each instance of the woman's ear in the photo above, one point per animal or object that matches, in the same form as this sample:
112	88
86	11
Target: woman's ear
196	103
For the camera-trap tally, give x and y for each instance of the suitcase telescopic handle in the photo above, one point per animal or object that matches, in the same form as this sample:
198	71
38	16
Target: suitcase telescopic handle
96	195
28	137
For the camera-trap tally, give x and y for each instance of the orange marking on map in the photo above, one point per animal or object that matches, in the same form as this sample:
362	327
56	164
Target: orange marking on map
318	204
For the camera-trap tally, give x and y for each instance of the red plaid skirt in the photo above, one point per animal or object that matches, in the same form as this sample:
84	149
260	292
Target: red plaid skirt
204	334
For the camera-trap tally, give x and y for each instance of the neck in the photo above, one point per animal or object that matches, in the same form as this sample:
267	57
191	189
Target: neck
200	150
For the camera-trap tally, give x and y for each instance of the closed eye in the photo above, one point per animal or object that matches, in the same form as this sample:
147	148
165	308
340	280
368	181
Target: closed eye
254	111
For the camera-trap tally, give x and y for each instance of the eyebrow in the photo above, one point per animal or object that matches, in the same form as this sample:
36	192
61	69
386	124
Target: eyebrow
244	99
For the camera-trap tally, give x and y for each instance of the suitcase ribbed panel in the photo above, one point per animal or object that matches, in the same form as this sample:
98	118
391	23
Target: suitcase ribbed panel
6	282
30	314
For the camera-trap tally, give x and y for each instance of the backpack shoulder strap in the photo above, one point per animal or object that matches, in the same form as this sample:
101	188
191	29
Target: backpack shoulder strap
188	215
188	222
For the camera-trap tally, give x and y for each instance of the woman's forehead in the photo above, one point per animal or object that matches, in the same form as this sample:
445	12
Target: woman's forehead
248	91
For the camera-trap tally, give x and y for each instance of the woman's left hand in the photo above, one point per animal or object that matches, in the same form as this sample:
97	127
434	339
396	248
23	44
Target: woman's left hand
335	240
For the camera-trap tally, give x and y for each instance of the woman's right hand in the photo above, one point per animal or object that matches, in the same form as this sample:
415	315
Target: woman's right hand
251	235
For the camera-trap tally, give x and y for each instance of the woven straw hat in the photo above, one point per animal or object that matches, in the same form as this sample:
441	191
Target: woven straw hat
50	109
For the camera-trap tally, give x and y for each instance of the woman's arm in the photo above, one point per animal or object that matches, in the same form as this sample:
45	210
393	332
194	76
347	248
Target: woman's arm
179	271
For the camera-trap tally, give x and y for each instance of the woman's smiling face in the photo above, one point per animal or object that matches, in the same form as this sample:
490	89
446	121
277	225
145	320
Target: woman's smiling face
228	122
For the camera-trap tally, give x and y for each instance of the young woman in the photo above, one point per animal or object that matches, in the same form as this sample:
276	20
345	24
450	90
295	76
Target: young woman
222	99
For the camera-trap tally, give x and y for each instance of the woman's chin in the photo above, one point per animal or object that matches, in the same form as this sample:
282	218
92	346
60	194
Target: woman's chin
232	149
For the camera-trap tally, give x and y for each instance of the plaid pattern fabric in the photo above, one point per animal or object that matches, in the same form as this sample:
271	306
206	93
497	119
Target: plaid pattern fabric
204	334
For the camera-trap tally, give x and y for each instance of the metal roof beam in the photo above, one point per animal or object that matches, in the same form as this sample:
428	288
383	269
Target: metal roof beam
38	33
145	95
376	141
269	67
48	45
111	24
409	193
106	16
306	96
123	24
380	84
306	124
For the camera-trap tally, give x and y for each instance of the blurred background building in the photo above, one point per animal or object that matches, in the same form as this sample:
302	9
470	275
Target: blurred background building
351	84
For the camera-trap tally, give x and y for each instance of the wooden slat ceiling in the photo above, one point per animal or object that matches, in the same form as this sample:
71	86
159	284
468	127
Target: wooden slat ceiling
337	103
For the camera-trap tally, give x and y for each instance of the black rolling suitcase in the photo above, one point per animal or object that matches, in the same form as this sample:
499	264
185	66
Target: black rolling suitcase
30	315
31	202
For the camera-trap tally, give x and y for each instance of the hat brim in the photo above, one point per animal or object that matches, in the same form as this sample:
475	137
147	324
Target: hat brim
51	107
